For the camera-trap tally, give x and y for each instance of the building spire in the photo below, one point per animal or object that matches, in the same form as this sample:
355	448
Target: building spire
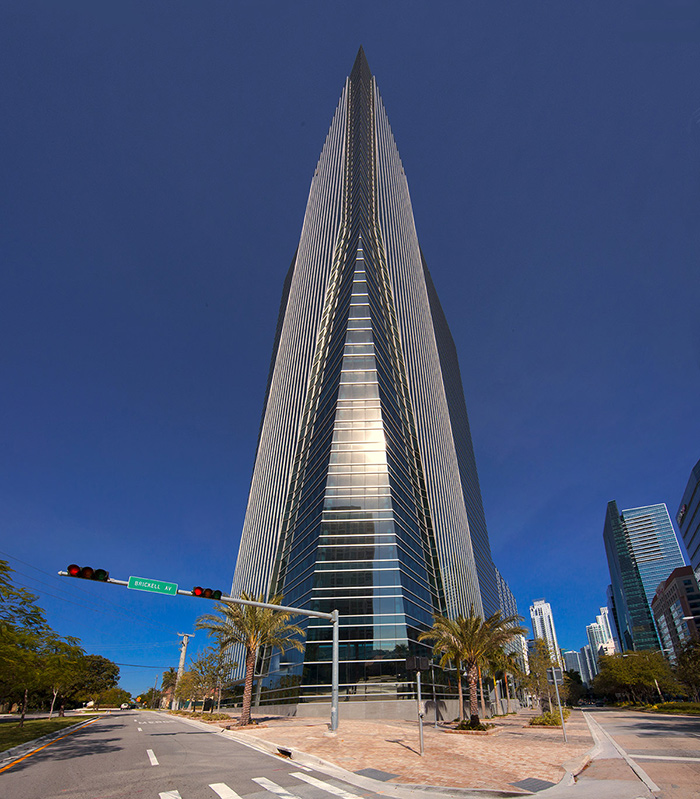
360	69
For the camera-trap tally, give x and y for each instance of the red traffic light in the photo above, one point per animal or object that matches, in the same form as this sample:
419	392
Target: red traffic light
207	593
88	573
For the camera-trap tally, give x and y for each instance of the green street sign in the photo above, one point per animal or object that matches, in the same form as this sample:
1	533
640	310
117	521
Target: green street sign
156	586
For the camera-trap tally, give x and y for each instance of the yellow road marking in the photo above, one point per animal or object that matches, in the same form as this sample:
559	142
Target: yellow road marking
38	749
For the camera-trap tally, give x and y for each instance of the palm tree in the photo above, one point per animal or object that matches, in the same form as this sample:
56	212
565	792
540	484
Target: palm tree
169	682
506	663
253	628
469	642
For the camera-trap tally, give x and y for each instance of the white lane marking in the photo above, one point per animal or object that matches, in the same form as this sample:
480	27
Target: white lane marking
169	795
222	790
139	729
152	757
269	785
324	786
664	757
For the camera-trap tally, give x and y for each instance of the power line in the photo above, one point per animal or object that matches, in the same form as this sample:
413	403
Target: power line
113	606
83	605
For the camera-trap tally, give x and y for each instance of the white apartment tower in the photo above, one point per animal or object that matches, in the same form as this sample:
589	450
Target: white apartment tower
543	627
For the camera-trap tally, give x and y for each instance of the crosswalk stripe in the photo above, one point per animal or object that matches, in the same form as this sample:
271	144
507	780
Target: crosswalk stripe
269	785
222	790
324	786
169	795
139	729
152	757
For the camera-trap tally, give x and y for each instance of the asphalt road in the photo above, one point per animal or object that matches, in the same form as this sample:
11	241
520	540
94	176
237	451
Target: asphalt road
666	747
144	755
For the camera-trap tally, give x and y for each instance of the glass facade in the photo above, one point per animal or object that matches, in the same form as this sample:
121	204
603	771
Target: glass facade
632	611
688	518
654	544
364	495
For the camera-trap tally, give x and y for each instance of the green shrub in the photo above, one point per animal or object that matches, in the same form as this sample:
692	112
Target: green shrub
206	716
466	724
550	719
692	708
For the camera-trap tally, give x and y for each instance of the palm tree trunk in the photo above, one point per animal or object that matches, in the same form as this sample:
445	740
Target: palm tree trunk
481	686
248	687
459	692
505	680
473	702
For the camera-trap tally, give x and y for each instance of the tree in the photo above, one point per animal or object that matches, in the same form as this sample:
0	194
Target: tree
688	667
18	608
114	697
254	628
95	675
639	676
62	667
573	689
469	643
150	697
169	682
504	663
539	660
212	669
23	628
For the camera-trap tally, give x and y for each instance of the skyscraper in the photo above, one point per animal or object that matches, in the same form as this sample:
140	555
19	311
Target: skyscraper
654	543
543	627
676	609
604	621
588	665
508	606
572	661
364	495
688	518
596	638
642	551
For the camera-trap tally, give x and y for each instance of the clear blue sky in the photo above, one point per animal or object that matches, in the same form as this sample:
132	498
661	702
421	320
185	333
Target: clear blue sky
156	159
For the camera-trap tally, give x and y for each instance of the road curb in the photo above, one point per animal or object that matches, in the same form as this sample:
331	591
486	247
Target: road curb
22	749
595	727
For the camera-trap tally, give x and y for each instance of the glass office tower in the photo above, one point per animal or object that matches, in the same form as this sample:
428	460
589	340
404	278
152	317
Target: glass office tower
688	518
642	550
654	543
364	494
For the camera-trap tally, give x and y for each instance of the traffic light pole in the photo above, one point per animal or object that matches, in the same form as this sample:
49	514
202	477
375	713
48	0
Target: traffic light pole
333	618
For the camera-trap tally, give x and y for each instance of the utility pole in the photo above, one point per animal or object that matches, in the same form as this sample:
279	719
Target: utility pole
175	704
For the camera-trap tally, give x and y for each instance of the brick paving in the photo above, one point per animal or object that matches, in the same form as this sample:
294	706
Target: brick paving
517	752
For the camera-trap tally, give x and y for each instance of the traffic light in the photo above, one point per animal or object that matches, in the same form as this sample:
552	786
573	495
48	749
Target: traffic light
88	573
207	593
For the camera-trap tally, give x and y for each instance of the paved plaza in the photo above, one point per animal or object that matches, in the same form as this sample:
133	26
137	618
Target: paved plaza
391	750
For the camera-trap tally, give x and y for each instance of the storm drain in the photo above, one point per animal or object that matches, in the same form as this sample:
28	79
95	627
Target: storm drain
376	774
533	784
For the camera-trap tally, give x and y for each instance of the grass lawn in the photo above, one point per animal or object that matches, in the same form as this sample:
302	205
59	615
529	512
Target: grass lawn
11	734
